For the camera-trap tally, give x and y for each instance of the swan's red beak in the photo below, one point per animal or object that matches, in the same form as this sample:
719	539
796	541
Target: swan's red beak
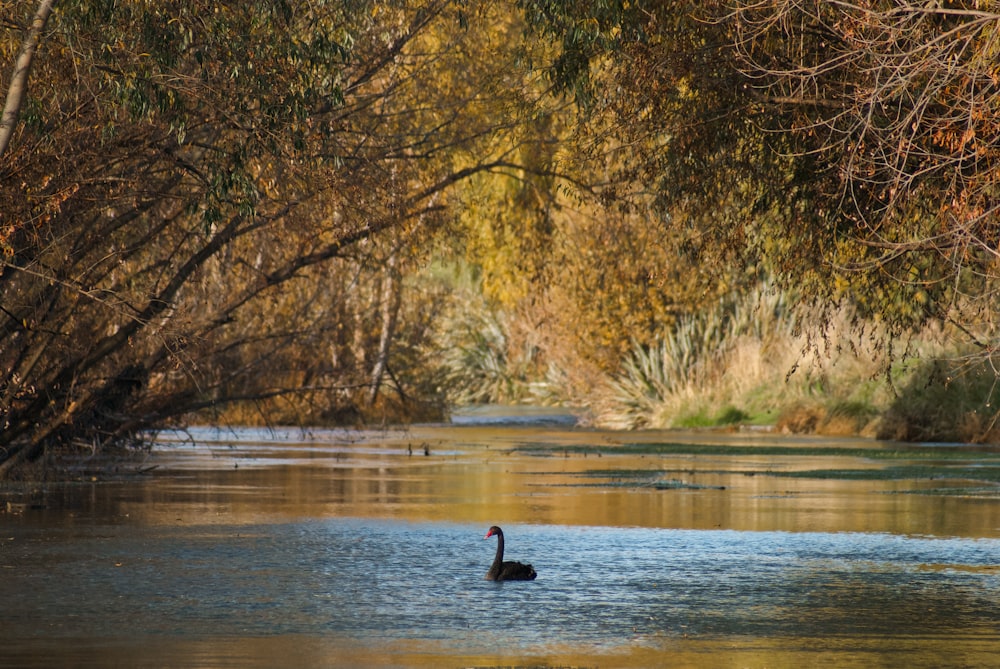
488	534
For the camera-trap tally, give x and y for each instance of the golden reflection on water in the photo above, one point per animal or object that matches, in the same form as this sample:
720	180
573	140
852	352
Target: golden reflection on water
747	653
472	475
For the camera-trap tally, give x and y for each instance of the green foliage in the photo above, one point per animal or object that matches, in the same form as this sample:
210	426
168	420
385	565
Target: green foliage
729	415
585	31
945	400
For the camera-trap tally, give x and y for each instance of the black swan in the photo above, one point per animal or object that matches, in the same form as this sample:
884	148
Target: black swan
507	571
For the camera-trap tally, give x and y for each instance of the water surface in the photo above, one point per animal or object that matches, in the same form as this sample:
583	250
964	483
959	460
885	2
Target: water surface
335	548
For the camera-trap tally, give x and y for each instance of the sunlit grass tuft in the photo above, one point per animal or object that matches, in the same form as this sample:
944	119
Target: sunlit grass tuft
753	361
707	370
476	359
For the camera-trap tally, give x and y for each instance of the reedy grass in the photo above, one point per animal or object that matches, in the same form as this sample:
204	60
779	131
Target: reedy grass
477	361
752	360
704	360
474	365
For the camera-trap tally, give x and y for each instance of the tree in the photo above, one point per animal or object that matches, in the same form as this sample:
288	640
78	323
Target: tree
848	149
693	180
199	195
897	102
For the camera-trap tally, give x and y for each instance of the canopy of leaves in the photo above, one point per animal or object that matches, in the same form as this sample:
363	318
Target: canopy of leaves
845	148
897	102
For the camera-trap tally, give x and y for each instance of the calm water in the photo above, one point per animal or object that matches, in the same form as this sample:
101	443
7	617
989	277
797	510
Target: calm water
343	549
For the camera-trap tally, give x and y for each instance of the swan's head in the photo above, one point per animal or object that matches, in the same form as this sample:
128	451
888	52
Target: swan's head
493	531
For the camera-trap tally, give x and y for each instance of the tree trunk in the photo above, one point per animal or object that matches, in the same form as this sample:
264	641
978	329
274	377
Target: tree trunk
390	310
18	88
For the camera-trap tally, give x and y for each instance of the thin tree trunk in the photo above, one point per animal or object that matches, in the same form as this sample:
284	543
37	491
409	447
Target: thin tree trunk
18	88
390	310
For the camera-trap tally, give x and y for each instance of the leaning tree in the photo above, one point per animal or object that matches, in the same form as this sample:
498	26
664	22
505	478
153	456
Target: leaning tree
195	193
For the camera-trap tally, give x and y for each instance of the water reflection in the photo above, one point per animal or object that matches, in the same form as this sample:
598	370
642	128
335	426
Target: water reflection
472	475
345	550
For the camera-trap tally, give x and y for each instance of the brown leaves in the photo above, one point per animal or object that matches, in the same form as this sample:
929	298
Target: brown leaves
917	126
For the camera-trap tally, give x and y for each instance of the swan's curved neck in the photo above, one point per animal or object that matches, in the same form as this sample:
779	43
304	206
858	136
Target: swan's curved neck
498	560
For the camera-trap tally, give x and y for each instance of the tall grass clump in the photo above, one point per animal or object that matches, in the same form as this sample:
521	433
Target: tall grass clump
752	359
664	384
478	357
474	363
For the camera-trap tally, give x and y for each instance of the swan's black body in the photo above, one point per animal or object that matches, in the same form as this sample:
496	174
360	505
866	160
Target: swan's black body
507	571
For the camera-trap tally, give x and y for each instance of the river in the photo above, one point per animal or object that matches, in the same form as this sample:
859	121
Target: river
341	548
